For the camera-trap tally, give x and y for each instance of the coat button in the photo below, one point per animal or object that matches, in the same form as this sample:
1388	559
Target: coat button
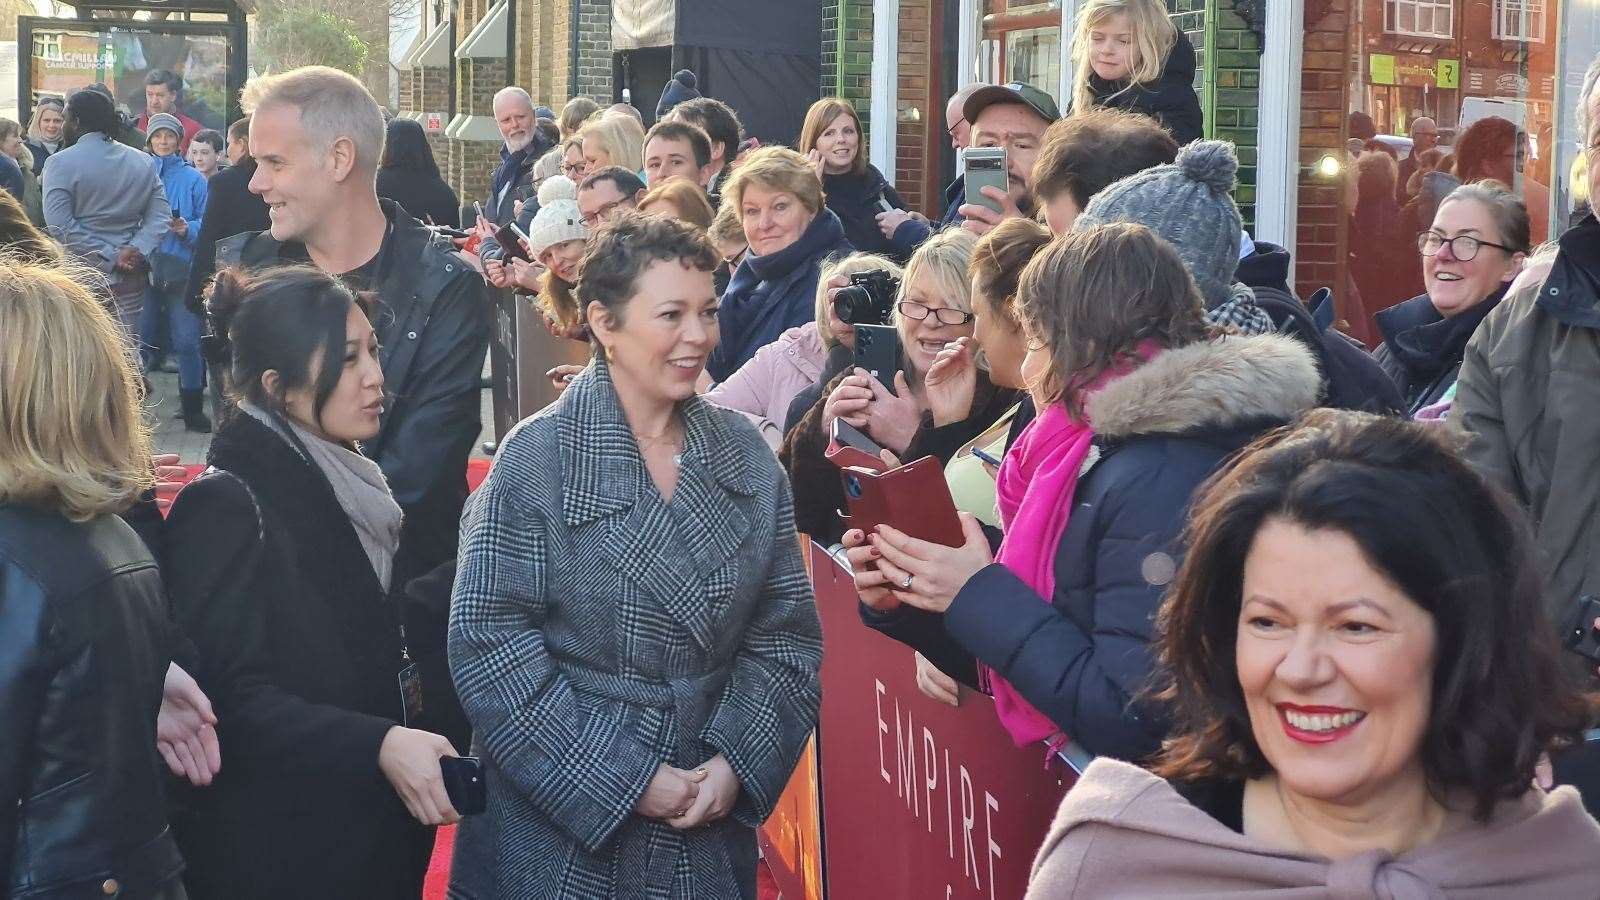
1554	291
110	887
449	267
412	335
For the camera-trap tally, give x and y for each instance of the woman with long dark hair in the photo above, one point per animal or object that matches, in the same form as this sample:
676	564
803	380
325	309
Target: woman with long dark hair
409	176
279	564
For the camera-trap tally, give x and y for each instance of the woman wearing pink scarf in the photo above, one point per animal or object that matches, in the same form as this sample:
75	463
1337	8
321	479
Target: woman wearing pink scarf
1139	403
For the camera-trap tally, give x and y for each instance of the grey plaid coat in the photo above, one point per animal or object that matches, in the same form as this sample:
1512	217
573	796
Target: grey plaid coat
596	632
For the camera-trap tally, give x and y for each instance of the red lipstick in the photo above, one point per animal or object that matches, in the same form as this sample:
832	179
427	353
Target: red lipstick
1318	736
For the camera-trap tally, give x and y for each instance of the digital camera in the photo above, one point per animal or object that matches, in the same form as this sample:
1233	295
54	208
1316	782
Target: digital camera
868	299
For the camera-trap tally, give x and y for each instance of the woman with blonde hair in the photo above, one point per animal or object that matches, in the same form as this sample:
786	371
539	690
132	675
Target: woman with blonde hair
1128	55
900	412
834	142
613	141
790	233
681	199
83	619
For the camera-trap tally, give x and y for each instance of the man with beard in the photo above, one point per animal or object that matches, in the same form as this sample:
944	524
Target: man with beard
104	202
514	115
1013	116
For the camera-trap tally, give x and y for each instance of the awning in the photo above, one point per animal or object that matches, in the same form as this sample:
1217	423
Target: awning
636	24
487	40
432	49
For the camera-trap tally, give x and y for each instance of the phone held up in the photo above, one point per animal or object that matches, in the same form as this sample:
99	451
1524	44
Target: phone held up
878	352
986	167
1581	636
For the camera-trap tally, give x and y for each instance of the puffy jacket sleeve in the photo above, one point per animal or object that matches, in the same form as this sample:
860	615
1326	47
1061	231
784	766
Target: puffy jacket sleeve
195	211
1179	112
221	588
925	633
1477	408
769	705
1085	675
157	218
578	763
24	674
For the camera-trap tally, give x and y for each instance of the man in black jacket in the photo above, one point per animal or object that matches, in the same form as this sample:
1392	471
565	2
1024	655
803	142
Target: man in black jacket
512	181
230	209
317	136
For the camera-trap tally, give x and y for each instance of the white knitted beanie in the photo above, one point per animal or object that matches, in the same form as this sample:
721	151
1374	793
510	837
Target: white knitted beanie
558	219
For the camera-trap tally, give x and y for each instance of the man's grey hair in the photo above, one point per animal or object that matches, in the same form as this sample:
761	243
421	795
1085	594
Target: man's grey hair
1590	77
332	104
514	92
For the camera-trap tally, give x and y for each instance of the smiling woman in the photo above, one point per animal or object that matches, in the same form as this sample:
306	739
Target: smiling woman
1360	669
857	192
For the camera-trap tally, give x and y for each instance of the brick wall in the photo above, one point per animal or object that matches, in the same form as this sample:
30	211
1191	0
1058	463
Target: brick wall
856	47
472	162
912	115
561	55
594	50
431	92
1321	234
1236	97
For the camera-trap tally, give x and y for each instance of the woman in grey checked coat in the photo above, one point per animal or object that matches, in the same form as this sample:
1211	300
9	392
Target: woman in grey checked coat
632	634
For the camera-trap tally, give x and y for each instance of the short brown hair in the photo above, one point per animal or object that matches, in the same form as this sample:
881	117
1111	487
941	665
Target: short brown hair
1452	543
776	169
240	130
1086	152
686	197
1093	296
693	135
623	248
574	114
1000	257
820	116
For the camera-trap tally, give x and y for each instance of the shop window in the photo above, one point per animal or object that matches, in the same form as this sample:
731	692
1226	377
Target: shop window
1421	18
1033	56
1519	20
1022	43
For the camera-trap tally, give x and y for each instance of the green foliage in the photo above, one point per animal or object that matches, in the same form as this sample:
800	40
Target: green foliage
292	36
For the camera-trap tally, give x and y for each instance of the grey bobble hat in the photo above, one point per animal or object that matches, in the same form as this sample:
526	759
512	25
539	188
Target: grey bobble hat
163	120
1188	202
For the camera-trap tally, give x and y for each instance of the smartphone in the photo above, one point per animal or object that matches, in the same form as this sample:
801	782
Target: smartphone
913	498
847	446
986	456
1582	637
883	203
510	240
986	167
878	352
463	782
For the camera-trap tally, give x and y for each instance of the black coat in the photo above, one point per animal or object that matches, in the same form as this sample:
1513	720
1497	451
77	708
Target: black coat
1422	350
854	199
40	154
1171	101
84	646
230	209
300	650
912	232
1084	657
433	325
771	294
502	208
422	194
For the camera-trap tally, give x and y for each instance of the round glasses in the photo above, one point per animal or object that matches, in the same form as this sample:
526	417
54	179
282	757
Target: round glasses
911	309
1463	246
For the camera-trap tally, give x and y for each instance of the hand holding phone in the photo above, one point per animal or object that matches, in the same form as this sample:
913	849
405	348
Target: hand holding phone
985	167
463	782
877	351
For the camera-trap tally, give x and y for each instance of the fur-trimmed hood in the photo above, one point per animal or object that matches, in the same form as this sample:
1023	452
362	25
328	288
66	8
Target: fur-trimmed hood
1220	383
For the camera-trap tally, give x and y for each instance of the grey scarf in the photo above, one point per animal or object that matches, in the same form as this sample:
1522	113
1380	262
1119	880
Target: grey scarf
359	486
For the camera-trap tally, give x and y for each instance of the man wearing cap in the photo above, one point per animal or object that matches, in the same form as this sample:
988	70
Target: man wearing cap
104	202
1013	116
908	230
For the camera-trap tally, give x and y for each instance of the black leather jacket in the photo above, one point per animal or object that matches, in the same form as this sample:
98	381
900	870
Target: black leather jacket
84	638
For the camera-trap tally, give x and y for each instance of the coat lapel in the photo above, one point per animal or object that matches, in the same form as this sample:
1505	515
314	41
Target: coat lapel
679	554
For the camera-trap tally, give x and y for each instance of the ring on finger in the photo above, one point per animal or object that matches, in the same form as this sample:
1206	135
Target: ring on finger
906	585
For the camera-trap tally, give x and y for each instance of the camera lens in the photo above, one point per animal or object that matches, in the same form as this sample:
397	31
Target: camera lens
852	486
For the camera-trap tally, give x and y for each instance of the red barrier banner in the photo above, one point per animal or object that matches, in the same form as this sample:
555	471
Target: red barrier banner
920	799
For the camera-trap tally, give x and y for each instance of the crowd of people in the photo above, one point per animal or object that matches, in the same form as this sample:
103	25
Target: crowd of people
1303	602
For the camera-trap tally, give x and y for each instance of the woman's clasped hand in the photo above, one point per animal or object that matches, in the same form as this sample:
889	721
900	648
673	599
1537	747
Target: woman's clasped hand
891	567
688	799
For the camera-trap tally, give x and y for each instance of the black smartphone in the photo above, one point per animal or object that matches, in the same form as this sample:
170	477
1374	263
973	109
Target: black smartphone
463	781
878	352
510	239
986	456
1582	637
850	436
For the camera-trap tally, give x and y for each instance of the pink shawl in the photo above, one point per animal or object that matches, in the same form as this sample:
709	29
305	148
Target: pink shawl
1034	492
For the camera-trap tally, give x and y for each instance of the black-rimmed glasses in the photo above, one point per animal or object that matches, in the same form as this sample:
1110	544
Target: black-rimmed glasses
1463	246
911	309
